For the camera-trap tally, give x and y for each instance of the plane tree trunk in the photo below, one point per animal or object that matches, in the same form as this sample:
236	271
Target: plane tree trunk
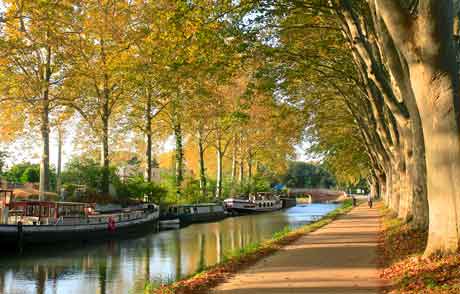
426	43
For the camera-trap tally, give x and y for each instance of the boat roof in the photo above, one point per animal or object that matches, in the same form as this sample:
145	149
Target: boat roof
198	204
48	201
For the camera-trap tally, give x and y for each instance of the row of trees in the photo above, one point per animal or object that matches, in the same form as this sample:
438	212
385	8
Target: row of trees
124	70
374	82
379	80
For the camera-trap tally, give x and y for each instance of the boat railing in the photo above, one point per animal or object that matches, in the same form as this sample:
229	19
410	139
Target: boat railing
77	220
104	218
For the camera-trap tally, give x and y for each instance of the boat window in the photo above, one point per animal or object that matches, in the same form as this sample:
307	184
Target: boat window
260	204
45	211
35	210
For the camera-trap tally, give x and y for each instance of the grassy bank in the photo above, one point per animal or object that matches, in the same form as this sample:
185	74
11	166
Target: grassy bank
238	260
401	252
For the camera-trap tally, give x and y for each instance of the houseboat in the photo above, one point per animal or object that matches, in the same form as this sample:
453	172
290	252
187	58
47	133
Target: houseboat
182	215
41	222
254	203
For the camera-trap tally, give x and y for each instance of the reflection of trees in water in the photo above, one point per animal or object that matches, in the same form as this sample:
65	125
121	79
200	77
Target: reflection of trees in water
202	261
220	244
102	275
2	282
41	279
178	245
147	262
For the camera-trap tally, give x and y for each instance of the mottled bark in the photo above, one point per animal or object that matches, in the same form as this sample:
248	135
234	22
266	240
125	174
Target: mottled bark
219	172
148	134
426	42
45	158
105	155
44	185
179	157
203	181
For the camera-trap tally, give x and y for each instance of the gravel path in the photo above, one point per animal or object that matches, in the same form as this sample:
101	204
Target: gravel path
338	258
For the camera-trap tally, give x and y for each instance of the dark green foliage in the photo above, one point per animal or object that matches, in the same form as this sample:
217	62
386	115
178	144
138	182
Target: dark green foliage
23	172
307	175
31	174
362	184
28	173
83	171
137	188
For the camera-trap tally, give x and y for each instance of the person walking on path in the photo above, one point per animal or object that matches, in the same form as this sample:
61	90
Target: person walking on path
369	200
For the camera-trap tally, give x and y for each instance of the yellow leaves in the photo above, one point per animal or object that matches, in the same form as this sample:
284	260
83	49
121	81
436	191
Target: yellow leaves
12	120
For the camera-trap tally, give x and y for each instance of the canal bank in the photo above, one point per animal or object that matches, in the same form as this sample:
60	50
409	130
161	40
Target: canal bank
249	255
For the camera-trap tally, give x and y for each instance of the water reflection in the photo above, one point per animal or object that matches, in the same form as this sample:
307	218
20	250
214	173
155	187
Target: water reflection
125	266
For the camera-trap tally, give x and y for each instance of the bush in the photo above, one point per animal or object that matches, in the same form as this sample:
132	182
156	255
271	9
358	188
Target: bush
16	173
138	188
84	171
31	175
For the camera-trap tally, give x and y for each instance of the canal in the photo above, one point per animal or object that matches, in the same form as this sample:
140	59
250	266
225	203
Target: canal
124	266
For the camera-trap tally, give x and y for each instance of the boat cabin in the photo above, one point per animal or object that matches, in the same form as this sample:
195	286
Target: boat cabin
261	196
192	209
45	212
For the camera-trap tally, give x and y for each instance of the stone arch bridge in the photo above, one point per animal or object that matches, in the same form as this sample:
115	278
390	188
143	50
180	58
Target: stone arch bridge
317	195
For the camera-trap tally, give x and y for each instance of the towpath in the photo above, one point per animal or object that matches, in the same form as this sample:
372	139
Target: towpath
340	258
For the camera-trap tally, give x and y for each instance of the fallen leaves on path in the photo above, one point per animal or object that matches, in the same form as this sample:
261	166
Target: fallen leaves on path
401	253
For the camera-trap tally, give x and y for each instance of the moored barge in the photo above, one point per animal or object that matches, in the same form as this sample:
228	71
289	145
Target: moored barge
182	215
254	203
48	222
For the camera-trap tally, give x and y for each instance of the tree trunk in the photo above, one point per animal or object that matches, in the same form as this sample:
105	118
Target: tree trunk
234	149
44	185
45	160
388	187
105	156
417	168
241	173
148	132
179	158
59	163
427	44
396	188
219	171
202	165
250	172
234	167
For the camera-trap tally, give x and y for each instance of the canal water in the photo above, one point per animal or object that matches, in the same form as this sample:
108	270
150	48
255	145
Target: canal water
124	266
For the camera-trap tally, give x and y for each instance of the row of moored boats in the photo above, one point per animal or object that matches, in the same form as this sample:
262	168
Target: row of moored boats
39	222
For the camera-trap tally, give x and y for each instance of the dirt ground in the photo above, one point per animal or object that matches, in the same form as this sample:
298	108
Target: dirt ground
338	258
